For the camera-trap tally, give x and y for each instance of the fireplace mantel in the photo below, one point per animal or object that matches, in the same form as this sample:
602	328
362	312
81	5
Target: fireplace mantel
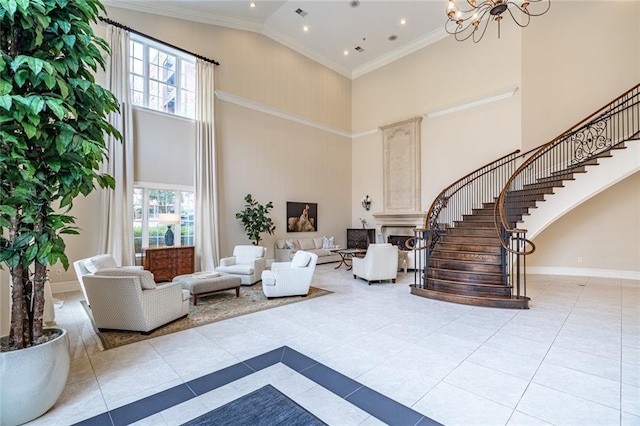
396	223
413	219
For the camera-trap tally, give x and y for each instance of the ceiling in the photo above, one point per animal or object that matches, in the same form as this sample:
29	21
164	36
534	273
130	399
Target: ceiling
334	26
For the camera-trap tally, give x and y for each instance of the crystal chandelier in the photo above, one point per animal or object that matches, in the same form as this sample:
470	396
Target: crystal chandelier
473	20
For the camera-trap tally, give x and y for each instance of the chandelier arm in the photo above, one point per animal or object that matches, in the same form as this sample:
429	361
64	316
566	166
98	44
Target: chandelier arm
541	13
484	30
524	12
465	24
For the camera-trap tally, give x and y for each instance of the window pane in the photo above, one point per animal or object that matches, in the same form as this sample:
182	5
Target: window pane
187	206
165	77
138	198
188	76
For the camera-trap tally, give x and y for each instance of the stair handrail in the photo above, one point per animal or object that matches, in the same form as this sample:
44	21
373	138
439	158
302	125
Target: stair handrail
598	117
440	202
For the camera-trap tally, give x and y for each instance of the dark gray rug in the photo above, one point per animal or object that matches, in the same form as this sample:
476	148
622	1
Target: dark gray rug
265	406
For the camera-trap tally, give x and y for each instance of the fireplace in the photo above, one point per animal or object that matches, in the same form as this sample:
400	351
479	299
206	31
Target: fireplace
399	240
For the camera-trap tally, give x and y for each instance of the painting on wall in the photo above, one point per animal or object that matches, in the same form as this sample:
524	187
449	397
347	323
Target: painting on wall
302	217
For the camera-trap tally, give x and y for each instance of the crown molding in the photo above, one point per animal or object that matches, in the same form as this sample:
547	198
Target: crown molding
265	30
474	103
364	133
401	52
256	106
180	13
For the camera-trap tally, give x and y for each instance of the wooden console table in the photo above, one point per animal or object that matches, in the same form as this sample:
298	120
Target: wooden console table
168	262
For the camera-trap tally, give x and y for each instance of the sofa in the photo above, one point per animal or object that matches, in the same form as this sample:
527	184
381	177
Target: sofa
286	248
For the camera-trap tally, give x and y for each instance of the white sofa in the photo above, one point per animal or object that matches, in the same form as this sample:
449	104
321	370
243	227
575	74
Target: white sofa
286	248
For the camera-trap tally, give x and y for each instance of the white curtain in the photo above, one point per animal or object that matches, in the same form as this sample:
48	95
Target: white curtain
116	233
206	215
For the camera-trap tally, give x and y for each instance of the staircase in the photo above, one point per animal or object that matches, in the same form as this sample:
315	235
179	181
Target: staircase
471	246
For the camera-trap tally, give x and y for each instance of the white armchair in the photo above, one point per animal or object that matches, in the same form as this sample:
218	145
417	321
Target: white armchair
247	262
290	278
130	300
92	264
379	264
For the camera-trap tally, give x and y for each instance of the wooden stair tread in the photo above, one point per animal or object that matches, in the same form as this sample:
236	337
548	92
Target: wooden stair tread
512	302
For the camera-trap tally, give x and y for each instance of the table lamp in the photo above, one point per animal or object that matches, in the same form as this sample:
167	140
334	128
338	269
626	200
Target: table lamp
169	219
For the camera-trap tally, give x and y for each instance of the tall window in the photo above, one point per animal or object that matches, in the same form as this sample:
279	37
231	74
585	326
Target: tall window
148	203
161	78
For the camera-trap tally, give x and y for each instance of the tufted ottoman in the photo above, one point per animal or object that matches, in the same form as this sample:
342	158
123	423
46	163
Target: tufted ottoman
201	284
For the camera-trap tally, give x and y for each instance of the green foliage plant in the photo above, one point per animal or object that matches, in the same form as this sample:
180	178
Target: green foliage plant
52	128
255	218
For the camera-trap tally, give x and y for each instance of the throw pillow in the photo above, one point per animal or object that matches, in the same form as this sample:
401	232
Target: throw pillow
328	243
300	259
147	281
307	244
317	242
101	261
291	245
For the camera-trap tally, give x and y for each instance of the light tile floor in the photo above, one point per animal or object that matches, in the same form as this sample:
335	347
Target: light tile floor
572	359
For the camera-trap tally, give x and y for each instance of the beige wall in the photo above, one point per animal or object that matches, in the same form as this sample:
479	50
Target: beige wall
575	62
445	74
604	232
577	59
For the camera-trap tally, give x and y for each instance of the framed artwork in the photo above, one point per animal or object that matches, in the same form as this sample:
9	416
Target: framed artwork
302	217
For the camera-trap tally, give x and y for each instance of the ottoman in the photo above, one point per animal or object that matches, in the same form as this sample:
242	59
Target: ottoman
201	284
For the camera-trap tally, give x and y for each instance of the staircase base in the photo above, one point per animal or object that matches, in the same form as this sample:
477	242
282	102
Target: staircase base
512	302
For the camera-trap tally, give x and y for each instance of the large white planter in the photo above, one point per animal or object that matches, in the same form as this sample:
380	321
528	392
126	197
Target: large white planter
33	379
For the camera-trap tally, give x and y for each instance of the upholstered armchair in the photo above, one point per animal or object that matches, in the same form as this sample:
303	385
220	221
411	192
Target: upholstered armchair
92	264
131	300
379	264
247	262
290	278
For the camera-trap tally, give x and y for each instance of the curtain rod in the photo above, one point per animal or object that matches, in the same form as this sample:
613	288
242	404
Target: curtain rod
124	27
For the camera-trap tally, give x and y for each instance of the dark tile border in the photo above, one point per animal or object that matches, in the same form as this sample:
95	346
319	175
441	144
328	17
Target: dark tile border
379	406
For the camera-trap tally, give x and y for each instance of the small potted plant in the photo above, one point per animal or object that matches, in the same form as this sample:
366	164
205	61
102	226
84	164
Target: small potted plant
255	218
52	125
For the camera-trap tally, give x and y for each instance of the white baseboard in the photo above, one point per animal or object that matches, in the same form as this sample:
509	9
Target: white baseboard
584	272
63	286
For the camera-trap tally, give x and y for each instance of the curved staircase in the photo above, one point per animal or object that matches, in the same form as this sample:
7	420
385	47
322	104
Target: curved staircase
471	245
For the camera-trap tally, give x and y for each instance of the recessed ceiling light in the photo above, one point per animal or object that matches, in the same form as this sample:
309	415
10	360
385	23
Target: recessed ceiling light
252	4
393	37
305	28
346	53
403	21
301	12
359	49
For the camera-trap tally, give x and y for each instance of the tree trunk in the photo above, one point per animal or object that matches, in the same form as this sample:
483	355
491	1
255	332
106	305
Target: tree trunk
37	305
19	337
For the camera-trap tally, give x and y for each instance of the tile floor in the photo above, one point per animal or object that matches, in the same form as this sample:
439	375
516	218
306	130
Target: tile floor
572	359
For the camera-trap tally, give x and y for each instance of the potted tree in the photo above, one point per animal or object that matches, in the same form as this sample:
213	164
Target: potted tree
255	218
52	125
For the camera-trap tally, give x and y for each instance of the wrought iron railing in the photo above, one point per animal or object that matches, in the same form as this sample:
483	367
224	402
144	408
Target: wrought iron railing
549	165
473	191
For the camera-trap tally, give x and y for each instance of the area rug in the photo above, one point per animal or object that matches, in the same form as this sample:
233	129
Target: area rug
213	308
265	406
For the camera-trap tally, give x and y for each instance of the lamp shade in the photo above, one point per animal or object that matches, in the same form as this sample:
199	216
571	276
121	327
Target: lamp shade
169	218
